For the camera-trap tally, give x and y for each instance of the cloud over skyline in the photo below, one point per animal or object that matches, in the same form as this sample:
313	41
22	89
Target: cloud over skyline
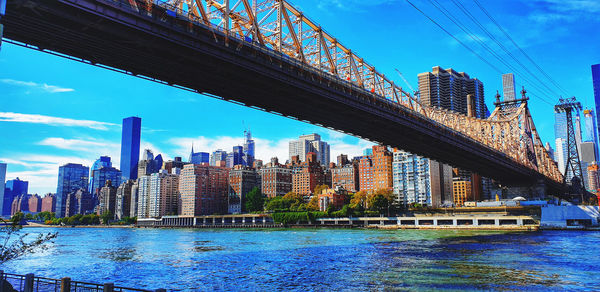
53	121
38	86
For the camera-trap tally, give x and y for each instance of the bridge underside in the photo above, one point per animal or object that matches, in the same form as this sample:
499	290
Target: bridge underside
204	60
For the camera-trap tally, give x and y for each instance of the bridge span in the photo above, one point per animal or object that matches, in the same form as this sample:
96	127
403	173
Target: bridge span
288	66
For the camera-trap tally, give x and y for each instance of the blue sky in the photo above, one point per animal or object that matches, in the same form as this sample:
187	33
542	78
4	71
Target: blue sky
54	111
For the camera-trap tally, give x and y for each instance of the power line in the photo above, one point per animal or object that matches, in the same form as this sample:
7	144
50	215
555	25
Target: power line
476	38
458	4
520	49
455	38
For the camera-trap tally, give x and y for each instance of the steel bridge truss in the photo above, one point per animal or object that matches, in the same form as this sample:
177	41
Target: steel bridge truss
278	26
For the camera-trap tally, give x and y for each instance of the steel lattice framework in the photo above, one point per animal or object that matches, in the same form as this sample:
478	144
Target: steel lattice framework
279	26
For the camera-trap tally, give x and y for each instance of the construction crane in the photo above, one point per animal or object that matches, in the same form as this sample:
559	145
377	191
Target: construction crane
405	81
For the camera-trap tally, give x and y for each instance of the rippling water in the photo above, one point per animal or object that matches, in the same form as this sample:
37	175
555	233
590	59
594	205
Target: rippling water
320	259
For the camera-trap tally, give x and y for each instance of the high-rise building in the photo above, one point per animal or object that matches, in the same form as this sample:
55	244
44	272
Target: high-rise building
345	175
248	149
203	190
199	157
163	197
20	204
375	171
71	177
123	208
133	204
79	202
217	156
560	136
107	199
593	183
451	90
596	83
235	157
310	143
421	180
448	89
101	176
2	186
276	179
462	192
143	196
550	150
130	147
14	188
307	175
150	164
508	86
174	166
103	161
49	203
242	179
591	129
35	203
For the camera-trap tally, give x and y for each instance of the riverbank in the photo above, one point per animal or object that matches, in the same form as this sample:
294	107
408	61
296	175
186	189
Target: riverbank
39	225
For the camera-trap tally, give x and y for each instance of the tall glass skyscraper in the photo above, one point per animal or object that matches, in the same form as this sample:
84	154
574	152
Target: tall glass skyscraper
596	82
103	161
71	177
591	129
14	188
2	183
248	149
130	147
508	86
560	136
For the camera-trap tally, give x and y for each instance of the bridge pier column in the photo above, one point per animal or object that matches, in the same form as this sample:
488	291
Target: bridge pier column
454	222
497	222
435	222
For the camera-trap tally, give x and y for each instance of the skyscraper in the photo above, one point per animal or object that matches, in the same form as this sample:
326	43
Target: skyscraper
235	157
560	136
2	186
14	189
71	177
198	157
130	147
596	82
448	89
103	161
248	148
420	180
217	156
310	143
100	176
508	86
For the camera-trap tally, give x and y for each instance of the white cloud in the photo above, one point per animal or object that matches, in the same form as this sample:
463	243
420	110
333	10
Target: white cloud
53	121
354	5
266	149
39	86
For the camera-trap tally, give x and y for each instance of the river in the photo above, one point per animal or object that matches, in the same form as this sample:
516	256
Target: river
319	259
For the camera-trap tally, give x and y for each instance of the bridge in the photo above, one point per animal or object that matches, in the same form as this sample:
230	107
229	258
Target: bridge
266	54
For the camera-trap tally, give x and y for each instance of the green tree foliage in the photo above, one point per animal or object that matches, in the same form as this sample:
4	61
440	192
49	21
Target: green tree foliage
106	217
254	201
16	244
380	201
297	217
290	202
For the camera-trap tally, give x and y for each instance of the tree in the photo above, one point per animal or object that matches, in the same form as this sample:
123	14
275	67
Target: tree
313	204
19	246
380	201
106	217
254	201
319	189
359	200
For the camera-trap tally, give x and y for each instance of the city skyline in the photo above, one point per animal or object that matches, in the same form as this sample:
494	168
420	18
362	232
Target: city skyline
87	130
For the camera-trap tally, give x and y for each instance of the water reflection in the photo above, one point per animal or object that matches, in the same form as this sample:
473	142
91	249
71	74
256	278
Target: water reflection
304	260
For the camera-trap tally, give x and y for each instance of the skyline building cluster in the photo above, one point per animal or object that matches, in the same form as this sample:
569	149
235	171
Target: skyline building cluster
218	181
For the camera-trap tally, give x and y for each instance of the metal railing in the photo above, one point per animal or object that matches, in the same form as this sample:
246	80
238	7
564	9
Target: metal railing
31	283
